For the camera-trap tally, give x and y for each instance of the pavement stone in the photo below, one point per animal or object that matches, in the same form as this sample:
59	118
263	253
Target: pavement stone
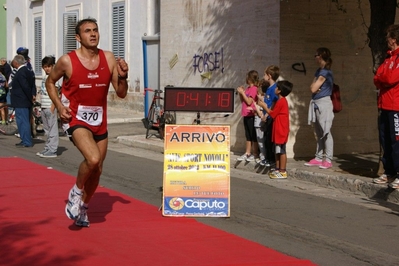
351	172
122	115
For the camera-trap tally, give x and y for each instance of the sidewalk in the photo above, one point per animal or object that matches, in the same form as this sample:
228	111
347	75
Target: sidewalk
121	115
351	172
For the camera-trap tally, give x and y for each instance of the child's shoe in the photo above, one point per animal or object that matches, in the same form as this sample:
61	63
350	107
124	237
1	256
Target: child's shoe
278	175
273	173
250	158
243	157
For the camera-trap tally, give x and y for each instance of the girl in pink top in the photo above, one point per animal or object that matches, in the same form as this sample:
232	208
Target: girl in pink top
248	98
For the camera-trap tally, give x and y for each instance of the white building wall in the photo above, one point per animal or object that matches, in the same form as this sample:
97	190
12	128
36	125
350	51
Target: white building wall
52	12
307	25
254	34
246	34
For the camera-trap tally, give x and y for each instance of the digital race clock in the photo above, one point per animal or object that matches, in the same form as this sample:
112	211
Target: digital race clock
199	99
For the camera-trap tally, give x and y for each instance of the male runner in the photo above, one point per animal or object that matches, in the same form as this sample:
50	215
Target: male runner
87	73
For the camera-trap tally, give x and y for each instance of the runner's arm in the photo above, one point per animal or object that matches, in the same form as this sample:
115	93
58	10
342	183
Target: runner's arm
119	70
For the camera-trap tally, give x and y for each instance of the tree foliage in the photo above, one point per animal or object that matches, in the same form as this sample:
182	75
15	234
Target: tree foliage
339	6
382	14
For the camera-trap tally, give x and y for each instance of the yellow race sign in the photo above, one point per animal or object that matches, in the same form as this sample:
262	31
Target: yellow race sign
196	179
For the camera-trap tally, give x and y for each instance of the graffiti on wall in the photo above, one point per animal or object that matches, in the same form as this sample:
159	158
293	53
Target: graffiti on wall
300	67
208	62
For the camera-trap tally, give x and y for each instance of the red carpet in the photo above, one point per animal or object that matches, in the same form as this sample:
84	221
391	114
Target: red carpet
124	231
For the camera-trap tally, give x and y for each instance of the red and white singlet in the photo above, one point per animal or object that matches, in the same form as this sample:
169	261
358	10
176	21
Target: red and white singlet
85	93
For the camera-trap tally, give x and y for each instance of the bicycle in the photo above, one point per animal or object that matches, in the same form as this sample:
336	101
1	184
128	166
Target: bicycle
9	128
157	117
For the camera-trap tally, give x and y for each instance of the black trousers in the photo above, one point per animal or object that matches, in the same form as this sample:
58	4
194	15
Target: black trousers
269	146
388	126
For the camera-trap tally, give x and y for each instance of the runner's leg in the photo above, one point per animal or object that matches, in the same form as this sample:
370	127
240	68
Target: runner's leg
91	167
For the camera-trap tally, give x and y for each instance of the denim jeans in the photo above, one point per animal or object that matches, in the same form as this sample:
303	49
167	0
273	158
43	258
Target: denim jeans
22	115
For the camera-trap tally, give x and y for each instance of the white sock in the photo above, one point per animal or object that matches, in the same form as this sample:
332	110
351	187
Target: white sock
77	190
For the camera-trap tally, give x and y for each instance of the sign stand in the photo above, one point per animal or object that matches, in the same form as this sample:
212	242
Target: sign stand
198	120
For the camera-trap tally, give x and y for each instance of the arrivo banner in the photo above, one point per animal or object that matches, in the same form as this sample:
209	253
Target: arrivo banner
196	177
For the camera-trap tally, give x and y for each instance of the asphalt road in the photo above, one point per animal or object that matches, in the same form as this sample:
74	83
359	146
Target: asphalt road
329	227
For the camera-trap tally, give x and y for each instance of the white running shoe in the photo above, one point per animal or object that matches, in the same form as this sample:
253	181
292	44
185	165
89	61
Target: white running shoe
82	220
72	208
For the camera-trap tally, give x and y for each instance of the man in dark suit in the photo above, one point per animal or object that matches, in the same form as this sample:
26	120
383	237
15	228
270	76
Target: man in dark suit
22	99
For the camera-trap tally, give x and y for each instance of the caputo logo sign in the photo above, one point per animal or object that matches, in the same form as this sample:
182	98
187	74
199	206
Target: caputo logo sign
200	204
176	204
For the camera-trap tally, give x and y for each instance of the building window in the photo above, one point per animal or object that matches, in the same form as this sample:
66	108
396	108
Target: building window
70	20
38	46
118	29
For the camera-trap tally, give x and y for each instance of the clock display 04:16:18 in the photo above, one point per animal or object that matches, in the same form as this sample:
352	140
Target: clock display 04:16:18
188	98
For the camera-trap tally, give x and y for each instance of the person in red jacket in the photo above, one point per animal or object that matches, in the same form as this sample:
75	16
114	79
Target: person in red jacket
386	80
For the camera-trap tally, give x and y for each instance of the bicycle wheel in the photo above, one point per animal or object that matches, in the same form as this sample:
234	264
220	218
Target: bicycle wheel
11	115
8	129
150	121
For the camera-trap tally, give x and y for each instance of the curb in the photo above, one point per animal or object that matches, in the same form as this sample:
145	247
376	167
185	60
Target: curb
139	141
349	183
336	180
123	120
